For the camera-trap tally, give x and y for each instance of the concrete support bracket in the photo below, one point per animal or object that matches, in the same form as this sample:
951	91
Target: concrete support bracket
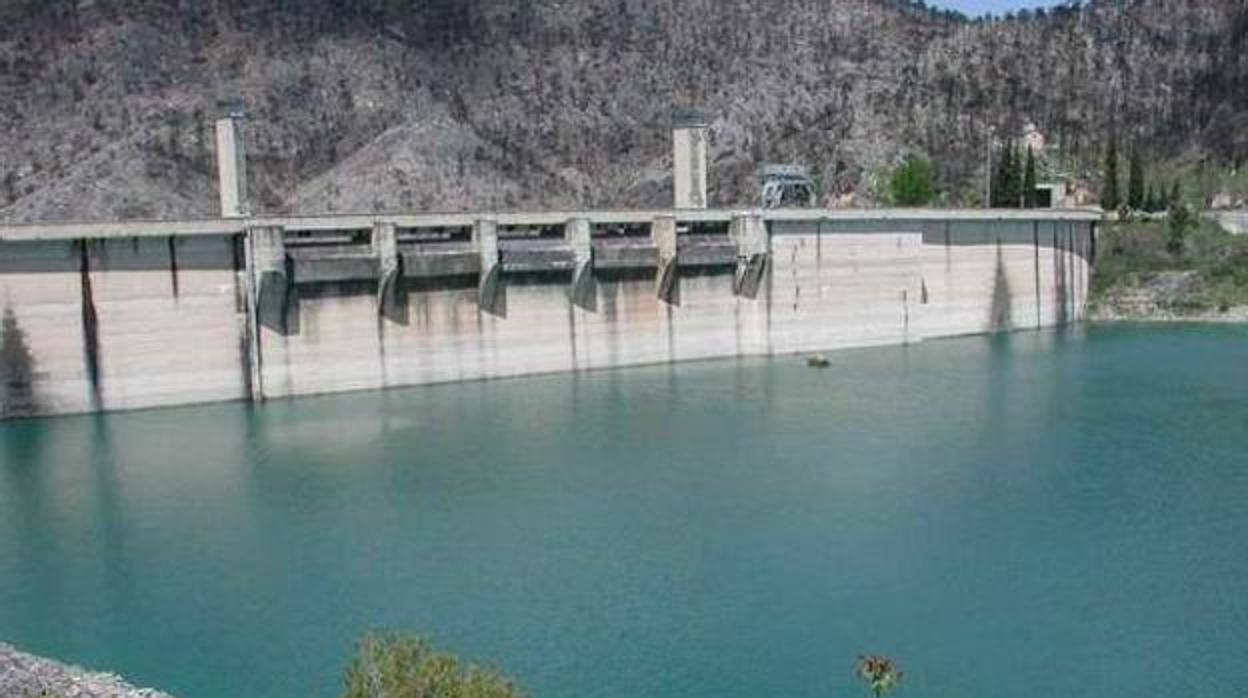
584	292
267	288
492	291
390	298
270	277
749	232
663	230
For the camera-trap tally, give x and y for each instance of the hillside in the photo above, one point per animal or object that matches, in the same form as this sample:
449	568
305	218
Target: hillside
106	106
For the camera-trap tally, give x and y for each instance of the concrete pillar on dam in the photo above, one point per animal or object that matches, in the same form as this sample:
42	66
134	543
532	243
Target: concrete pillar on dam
267	293
491	290
749	232
231	169
270	282
385	243
689	147
579	234
663	230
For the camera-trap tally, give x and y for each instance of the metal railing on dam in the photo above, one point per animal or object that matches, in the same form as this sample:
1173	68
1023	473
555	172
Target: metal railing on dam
53	230
101	316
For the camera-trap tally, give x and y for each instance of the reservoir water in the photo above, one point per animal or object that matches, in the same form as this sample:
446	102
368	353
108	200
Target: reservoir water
1036	515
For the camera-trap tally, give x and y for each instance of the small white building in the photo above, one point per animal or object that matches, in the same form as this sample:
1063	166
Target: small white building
1032	139
1055	195
1235	222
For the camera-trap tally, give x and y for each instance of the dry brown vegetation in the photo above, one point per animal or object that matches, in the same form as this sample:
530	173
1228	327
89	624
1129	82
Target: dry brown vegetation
105	107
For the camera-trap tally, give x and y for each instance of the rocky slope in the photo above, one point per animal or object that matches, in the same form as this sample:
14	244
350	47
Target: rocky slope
105	106
1157	271
26	676
1162	296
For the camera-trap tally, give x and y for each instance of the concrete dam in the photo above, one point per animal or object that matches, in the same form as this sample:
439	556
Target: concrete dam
142	314
136	314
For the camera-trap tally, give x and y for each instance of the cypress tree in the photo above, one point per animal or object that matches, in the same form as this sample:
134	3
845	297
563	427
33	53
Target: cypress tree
1135	182
1014	183
1001	180
1110	198
1029	180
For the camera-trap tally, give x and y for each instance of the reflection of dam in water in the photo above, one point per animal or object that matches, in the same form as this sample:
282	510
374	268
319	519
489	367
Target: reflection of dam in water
128	315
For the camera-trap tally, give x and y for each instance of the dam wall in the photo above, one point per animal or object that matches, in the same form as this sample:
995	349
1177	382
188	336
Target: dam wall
99	317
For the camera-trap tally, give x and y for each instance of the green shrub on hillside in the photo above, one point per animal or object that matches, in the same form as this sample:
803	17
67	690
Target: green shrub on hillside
1181	221
394	666
1131	254
913	183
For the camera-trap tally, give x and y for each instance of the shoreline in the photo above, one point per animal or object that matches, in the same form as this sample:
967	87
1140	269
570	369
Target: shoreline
1237	315
25	675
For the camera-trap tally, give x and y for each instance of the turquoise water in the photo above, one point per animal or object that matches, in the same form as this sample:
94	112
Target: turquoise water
1033	515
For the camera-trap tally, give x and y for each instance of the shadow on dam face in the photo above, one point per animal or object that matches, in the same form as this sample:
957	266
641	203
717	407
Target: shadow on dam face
90	319
1001	317
17	370
1061	297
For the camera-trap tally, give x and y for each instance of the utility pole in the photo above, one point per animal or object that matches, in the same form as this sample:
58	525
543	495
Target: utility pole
988	168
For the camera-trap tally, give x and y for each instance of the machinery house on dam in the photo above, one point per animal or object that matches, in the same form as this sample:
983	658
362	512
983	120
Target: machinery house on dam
120	315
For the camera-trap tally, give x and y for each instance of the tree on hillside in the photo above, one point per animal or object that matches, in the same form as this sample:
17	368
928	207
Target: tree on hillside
1181	220
913	183
1135	182
1110	198
1159	197
10	187
1014	180
1008	188
1029	180
999	175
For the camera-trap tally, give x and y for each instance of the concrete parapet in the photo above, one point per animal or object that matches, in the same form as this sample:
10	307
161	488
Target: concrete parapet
30	232
492	292
440	260
663	230
579	236
329	265
707	250
627	253
527	255
749	232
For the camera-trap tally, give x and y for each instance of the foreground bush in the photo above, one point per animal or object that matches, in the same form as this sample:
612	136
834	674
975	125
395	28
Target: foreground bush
880	673
393	666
